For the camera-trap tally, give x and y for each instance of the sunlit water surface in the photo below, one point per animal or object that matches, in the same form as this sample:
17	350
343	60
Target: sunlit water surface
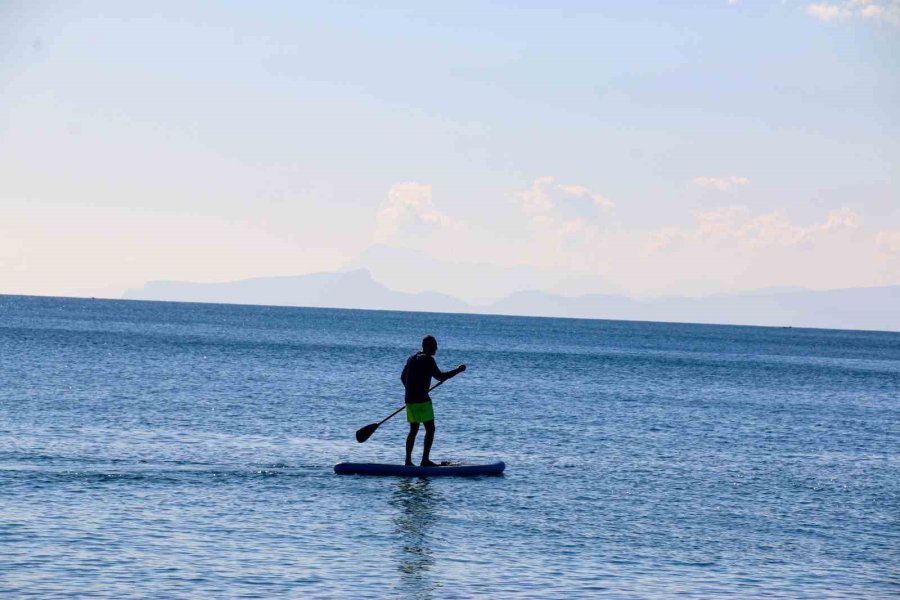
179	450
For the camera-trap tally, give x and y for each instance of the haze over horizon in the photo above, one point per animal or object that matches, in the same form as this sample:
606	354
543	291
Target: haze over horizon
638	149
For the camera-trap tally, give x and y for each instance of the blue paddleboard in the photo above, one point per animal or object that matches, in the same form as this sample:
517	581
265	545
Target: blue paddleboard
415	471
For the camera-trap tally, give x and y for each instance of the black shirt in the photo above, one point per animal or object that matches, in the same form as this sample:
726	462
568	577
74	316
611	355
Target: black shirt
417	374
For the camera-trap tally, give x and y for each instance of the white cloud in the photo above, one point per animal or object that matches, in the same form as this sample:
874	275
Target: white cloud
873	10
736	226
564	222
580	191
824	12
409	204
663	239
888	242
536	201
545	196
723	184
882	10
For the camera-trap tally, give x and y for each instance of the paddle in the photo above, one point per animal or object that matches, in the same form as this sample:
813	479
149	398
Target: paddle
364	433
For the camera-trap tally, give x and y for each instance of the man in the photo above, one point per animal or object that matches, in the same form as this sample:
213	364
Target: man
416	378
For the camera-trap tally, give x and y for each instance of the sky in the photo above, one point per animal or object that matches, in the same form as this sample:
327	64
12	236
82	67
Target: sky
643	147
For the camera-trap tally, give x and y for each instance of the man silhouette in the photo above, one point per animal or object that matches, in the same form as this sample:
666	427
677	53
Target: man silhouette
416	378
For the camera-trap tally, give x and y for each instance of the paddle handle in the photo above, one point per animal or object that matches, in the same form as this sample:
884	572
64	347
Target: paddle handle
391	415
404	406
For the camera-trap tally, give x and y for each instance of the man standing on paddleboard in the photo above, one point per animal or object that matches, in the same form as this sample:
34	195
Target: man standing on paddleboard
416	377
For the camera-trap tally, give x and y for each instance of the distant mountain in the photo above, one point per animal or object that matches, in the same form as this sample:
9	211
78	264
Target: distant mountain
543	304
352	289
858	308
476	283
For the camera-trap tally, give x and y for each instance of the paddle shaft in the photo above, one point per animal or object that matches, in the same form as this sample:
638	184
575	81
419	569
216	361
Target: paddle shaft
364	433
404	406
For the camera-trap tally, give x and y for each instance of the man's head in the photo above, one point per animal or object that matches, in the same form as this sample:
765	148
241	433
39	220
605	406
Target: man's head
429	345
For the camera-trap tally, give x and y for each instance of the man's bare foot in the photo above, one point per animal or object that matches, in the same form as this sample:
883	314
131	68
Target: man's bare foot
428	463
409	463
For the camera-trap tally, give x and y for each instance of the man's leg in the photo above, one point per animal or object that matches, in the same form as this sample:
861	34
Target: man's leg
411	441
429	439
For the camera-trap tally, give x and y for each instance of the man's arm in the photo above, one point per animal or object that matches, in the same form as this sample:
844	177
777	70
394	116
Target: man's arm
444	375
404	373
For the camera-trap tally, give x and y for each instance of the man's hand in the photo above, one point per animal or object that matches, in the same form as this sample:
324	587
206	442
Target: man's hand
461	368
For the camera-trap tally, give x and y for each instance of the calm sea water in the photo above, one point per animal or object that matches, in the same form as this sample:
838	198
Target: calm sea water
185	450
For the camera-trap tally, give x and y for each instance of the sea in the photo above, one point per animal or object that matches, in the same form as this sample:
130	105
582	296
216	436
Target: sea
175	450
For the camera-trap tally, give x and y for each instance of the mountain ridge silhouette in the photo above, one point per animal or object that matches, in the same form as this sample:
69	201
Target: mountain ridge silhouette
876	308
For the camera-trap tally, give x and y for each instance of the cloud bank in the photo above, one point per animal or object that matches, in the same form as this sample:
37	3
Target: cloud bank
737	226
570	229
886	10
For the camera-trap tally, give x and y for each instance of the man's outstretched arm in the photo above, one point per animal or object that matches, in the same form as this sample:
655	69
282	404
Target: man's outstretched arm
444	375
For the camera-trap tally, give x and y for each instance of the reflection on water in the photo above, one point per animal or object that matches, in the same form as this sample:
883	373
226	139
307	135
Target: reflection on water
415	501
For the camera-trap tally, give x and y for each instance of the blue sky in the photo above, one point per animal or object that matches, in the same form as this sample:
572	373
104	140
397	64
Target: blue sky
645	147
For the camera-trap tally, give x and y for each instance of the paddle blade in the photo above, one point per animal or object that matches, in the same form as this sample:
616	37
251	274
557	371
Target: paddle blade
364	433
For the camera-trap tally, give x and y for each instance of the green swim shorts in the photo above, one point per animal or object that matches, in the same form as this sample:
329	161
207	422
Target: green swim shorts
419	412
